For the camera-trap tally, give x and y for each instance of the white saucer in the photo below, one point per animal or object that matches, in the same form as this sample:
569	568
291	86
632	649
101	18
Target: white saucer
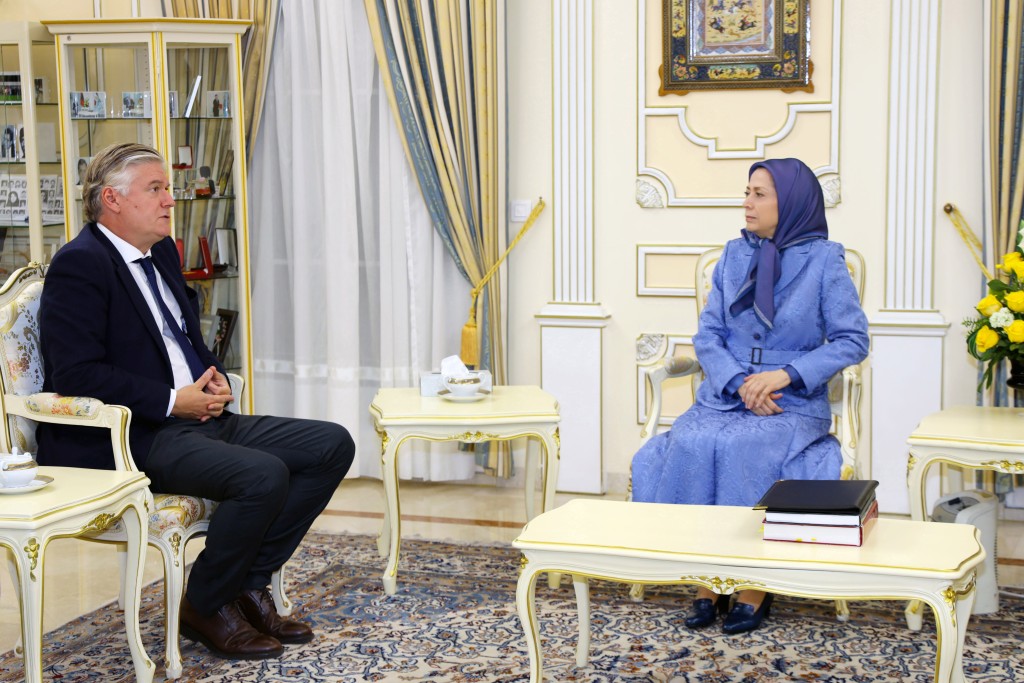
461	399
36	484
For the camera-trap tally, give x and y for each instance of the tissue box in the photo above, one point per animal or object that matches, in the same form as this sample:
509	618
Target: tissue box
431	382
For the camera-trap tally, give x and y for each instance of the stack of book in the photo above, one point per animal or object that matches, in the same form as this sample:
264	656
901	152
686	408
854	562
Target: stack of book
838	512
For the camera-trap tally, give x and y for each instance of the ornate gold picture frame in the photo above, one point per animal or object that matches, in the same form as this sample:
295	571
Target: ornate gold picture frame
713	44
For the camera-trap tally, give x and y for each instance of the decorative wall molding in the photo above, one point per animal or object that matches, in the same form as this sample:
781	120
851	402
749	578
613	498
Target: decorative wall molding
913	101
648	195
907	335
571	326
573	36
660	179
831	188
645	250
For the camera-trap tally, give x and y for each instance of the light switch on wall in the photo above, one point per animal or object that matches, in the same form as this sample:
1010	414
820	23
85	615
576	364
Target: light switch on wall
519	210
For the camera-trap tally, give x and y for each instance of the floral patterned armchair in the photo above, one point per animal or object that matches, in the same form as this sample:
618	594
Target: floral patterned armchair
174	520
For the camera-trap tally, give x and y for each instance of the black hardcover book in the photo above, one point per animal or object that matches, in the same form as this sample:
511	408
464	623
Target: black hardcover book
824	496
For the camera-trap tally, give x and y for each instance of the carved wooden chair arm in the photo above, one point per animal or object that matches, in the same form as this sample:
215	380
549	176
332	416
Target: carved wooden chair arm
677	366
82	411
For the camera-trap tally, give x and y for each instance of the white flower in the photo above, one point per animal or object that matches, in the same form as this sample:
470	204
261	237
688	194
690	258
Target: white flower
1001	318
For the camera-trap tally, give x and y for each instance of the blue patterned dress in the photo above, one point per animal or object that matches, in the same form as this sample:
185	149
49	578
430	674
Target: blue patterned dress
720	453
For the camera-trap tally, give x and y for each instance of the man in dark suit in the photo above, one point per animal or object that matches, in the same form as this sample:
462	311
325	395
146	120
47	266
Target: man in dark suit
118	323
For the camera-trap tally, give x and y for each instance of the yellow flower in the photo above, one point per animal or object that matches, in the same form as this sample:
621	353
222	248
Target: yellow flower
988	305
987	338
1018	269
1015	301
1010	259
1015	331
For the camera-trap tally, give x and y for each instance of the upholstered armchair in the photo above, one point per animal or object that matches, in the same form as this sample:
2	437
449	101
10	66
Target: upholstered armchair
175	519
844	389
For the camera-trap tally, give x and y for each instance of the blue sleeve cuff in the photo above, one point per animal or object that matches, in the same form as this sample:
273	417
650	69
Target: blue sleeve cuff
733	386
795	380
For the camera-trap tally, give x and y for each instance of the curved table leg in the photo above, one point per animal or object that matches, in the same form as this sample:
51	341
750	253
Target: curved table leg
916	470
951	624
530	484
30	581
390	535
133	519
582	587
549	481
526	607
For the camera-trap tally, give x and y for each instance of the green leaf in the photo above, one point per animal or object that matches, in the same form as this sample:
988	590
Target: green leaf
997	287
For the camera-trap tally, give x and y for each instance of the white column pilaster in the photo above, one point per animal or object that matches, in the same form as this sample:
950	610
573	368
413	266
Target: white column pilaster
571	326
907	335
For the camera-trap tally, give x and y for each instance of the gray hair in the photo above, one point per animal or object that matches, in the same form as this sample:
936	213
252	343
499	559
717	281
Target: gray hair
112	167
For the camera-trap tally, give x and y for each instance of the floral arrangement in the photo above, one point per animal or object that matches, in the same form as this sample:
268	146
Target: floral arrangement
998	333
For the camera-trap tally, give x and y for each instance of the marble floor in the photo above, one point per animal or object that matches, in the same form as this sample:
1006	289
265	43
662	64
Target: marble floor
82	576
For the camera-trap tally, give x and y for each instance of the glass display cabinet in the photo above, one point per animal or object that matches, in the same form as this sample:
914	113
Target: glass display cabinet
173	84
32	224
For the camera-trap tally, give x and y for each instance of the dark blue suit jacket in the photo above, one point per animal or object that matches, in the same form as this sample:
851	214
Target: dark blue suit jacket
100	339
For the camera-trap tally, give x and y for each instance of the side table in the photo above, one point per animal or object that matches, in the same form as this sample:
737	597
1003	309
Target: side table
77	501
969	436
509	412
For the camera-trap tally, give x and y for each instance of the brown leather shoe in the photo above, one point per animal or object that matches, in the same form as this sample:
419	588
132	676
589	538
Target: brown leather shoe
227	634
258	607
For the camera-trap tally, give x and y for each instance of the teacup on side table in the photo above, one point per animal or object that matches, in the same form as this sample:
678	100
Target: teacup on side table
17	470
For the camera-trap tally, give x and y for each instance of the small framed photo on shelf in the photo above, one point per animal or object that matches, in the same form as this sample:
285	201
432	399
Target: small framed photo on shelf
51	190
172	104
183	158
83	164
226	319
218	104
88	104
225	251
135	104
9	143
10	86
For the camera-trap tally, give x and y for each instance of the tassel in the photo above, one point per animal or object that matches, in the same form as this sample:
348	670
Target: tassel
470	352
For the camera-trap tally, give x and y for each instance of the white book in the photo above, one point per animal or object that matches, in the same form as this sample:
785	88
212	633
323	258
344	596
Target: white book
819	517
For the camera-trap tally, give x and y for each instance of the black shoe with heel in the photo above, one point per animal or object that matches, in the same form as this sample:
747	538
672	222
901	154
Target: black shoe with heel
743	617
704	611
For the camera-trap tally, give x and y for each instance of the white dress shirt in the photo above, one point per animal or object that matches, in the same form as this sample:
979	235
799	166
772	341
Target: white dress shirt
130	254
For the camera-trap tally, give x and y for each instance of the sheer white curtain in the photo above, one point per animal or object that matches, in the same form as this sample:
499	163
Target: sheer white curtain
352	289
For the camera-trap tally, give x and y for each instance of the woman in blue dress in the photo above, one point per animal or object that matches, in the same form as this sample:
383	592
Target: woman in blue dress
781	319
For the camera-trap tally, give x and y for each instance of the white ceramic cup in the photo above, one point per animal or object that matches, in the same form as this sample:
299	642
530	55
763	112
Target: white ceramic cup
463	386
17	469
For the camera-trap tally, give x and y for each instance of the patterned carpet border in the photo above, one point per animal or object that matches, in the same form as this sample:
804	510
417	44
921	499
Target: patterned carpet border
454	621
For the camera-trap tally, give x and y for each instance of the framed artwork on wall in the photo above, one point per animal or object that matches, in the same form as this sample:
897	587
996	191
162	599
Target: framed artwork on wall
226	319
717	44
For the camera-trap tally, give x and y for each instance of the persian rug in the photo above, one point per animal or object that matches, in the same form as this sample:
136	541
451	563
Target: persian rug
454	620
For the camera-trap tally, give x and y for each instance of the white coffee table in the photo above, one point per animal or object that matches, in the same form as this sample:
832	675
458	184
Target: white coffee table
509	412
721	548
77	502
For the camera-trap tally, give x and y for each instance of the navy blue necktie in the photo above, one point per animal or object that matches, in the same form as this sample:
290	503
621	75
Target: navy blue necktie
191	357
